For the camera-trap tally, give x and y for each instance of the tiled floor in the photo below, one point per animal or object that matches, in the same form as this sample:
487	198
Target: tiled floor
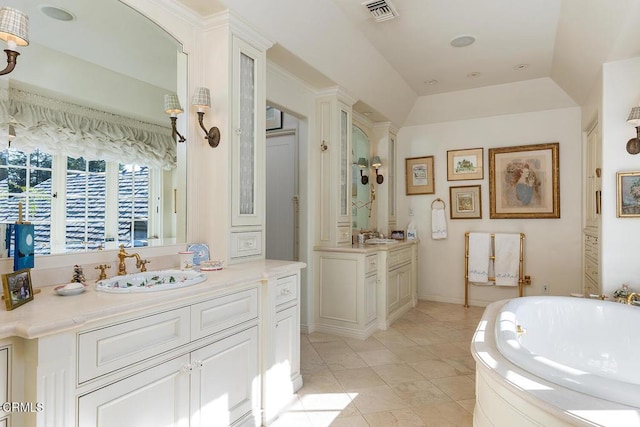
417	373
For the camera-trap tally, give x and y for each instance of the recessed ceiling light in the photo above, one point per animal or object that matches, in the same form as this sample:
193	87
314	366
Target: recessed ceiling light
462	40
57	13
474	74
520	67
431	82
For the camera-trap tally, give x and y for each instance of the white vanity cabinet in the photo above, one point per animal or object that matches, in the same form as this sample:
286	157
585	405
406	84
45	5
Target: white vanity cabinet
204	355
213	385
398	296
212	381
361	289
281	370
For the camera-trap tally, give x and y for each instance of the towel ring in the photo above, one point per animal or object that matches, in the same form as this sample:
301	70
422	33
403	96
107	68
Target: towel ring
438	200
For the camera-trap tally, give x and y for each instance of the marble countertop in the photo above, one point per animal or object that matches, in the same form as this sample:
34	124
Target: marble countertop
367	248
50	313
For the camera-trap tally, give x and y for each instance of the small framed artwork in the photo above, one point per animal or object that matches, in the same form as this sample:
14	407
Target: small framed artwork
465	164
397	234
17	288
628	195
524	181
420	175
274	118
465	202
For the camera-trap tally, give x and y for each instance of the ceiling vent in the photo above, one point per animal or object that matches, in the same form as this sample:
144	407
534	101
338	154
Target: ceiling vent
381	10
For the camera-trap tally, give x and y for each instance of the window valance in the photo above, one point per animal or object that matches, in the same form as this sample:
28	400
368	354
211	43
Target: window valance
60	127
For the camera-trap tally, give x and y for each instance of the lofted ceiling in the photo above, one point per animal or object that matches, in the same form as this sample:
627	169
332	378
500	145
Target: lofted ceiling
388	65
515	40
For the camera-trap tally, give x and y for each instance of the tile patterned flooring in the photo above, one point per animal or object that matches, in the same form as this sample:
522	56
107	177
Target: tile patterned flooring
419	372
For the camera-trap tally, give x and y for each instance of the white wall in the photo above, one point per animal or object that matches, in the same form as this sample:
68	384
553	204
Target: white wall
620	92
552	246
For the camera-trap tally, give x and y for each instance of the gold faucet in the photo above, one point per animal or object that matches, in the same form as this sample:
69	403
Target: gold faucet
633	296
122	255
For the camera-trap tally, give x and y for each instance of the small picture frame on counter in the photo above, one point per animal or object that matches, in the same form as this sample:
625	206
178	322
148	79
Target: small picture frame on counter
17	288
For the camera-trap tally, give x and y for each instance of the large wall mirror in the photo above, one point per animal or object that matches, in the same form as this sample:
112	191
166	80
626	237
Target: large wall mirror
361	201
93	161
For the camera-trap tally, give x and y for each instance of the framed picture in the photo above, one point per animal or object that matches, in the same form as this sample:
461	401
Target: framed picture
465	202
419	175
274	118
628	194
465	164
17	288
524	181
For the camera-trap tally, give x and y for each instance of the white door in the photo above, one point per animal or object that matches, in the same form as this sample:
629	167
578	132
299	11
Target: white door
156	397
225	381
282	187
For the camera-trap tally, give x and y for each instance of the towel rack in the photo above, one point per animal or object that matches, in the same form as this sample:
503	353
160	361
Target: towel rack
522	279
439	200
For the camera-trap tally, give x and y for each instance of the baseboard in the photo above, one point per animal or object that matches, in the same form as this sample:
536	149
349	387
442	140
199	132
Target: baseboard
347	332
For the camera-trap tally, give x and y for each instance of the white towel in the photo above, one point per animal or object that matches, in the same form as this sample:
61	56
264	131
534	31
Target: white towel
479	253
438	224
507	259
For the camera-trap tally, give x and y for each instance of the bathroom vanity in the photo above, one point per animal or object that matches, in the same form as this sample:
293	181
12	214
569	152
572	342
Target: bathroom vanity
362	288
221	352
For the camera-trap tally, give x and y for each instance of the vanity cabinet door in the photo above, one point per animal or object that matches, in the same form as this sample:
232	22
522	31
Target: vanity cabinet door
156	397
248	138
225	381
4	380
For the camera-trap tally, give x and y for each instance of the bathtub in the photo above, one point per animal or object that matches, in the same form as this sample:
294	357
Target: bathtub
557	361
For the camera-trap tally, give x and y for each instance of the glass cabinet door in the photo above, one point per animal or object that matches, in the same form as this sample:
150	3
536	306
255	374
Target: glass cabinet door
247	139
344	163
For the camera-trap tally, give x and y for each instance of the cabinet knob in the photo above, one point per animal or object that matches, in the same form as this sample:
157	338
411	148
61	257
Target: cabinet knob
186	369
238	131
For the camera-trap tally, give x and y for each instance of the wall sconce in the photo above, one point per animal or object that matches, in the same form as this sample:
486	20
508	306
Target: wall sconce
202	100
173	108
376	163
633	145
14	29
363	164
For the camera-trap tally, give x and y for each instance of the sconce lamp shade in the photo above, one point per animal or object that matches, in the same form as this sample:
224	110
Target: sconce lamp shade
375	162
172	105
362	163
202	98
14	27
634	116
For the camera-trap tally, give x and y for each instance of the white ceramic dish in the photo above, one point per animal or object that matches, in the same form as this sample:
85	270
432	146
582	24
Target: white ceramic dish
60	290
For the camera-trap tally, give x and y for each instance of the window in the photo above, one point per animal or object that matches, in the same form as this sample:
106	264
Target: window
98	201
25	182
86	204
133	204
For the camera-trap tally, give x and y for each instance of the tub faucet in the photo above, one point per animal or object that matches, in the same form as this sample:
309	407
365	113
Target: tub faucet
122	255
633	296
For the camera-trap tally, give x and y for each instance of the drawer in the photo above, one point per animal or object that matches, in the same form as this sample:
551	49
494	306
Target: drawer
344	234
248	243
399	256
286	289
107	349
370	264
218	314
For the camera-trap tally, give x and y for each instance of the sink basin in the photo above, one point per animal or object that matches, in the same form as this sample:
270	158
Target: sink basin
151	281
379	241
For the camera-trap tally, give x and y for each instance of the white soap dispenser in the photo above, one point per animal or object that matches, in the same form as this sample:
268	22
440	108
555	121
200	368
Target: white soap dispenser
412	234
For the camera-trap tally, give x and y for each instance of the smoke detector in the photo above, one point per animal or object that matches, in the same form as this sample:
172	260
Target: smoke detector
381	10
